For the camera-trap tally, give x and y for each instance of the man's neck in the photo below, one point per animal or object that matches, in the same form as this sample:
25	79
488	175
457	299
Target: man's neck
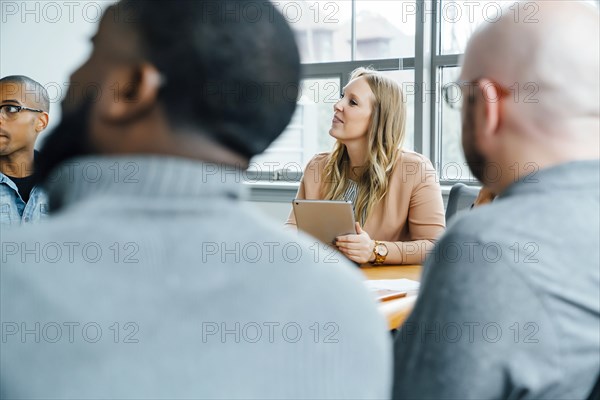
19	164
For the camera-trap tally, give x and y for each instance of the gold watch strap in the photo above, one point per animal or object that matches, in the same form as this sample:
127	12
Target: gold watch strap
379	258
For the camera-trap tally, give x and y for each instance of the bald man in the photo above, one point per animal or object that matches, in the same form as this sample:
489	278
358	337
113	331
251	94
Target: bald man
509	304
24	108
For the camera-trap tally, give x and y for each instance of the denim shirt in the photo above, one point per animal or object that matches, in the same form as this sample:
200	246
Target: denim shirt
14	211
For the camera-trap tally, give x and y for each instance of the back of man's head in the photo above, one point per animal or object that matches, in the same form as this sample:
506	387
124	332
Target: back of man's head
215	81
536	99
546	53
230	67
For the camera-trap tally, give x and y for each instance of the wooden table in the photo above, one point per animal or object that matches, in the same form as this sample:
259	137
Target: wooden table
395	311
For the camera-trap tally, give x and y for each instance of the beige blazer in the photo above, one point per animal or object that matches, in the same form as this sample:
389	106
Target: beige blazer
409	218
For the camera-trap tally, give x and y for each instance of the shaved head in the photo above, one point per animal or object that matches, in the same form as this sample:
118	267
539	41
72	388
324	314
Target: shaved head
30	91
552	56
545	70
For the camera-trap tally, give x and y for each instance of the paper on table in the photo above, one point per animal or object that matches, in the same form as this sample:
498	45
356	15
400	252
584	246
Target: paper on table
401	285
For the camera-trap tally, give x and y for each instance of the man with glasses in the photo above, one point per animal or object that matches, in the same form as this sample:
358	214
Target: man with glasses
24	107
509	301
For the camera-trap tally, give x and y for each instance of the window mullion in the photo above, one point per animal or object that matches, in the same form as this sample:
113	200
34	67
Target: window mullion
353	32
434	138
423	82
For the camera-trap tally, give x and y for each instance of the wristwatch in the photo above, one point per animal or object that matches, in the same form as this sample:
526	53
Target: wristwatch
381	251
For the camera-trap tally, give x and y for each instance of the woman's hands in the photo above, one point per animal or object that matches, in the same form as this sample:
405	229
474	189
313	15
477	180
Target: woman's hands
358	248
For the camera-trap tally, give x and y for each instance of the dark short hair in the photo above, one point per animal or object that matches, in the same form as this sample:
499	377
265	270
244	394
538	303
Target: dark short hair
230	67
41	94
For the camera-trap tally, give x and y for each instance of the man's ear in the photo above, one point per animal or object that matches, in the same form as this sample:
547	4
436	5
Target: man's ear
491	96
42	122
132	90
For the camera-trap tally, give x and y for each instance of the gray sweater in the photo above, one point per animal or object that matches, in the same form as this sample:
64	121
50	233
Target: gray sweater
155	281
510	300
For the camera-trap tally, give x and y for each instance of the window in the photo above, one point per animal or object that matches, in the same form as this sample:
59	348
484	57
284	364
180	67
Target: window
319	25
385	29
307	134
459	18
452	162
334	38
418	43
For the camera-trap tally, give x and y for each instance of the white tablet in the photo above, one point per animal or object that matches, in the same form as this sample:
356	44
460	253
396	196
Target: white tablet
324	219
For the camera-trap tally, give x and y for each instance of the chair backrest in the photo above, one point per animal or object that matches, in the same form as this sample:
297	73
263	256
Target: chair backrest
461	197
595	394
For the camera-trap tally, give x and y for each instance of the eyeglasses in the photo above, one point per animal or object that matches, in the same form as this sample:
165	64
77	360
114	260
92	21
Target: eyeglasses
10	112
453	94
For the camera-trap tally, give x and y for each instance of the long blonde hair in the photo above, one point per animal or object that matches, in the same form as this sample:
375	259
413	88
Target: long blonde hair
385	136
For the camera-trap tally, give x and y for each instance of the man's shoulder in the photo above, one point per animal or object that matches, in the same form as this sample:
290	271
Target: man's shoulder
303	252
48	229
55	241
490	219
497	246
311	278
477	241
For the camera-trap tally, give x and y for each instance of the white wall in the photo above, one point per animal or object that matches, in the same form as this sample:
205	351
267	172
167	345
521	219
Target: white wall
47	40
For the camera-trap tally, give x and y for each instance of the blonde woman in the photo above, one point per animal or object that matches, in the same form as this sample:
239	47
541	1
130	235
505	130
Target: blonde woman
397	201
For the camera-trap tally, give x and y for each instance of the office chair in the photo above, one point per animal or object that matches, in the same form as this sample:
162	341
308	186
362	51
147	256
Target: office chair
461	197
